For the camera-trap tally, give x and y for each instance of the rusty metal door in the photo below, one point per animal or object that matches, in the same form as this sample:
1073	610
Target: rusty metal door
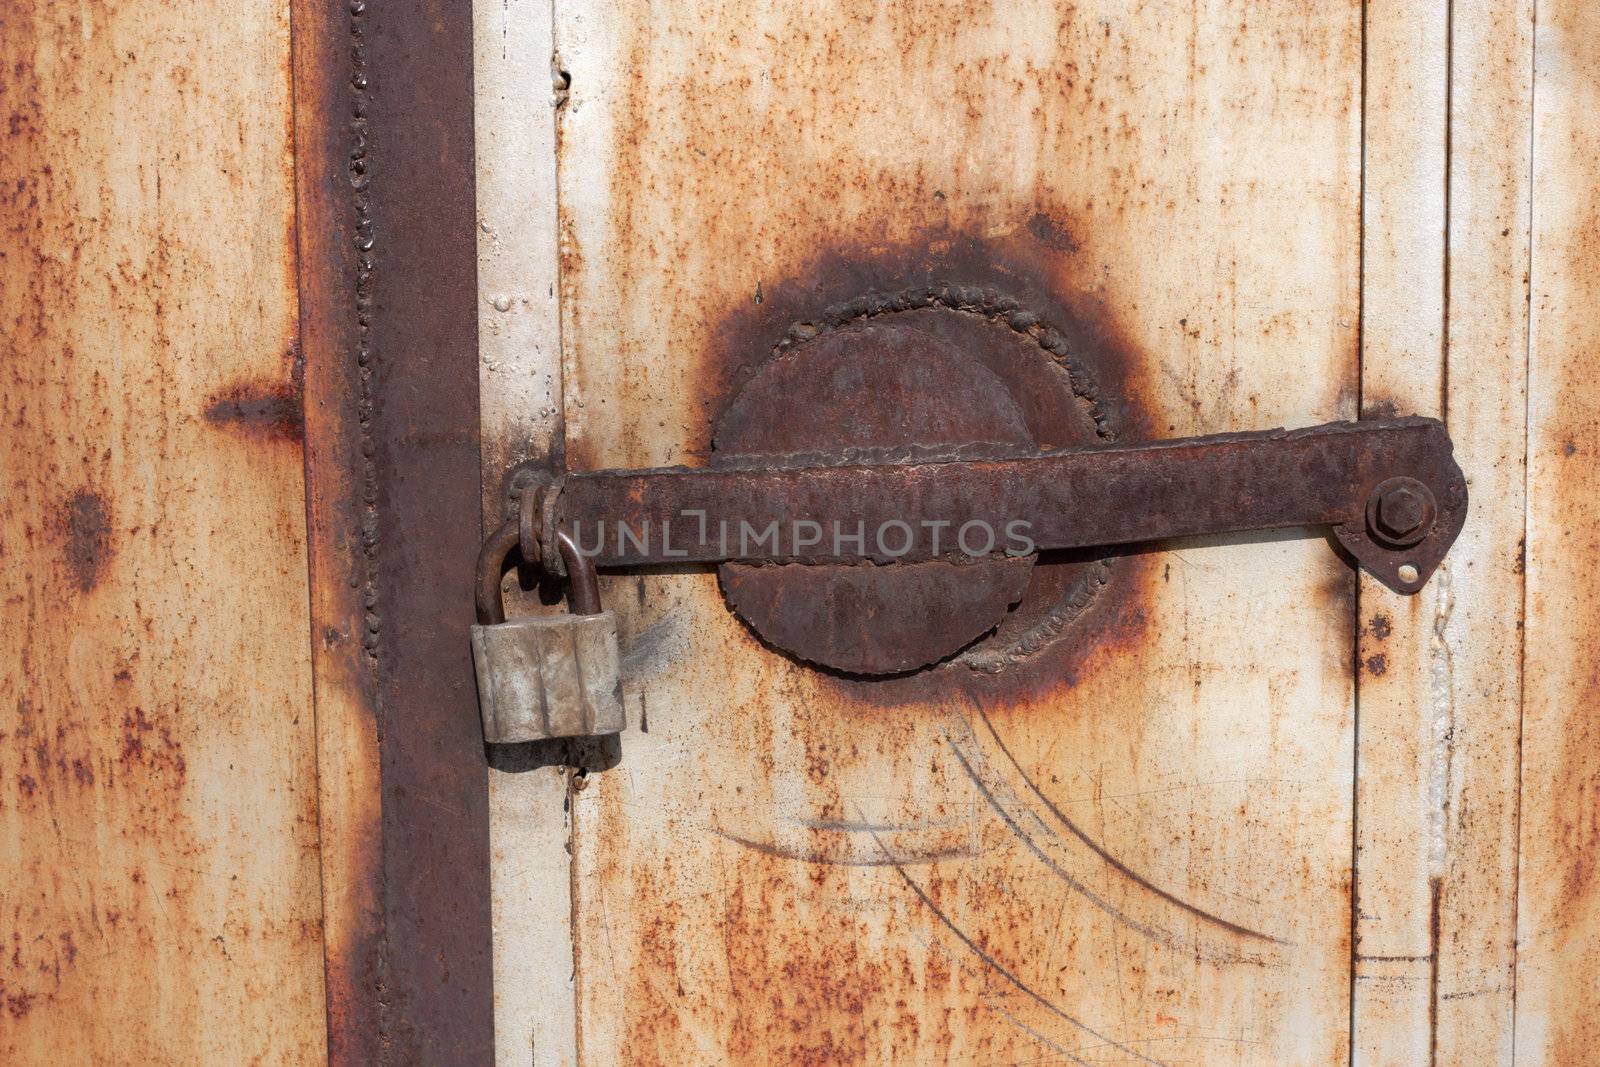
1211	803
1214	800
1133	843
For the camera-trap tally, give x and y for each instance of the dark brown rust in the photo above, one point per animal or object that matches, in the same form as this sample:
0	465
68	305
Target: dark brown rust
979	283
1400	511
87	524
270	409
1071	498
386	231
1033	343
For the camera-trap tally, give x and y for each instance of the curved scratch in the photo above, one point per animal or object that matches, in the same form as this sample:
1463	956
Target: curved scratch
998	968
769	848
994	1001
1006	1014
1159	936
1116	864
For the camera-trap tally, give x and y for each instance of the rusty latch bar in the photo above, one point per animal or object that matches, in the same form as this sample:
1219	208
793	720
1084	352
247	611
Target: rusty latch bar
1389	489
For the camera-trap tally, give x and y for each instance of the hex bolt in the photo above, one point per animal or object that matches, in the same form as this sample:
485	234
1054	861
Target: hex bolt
1400	512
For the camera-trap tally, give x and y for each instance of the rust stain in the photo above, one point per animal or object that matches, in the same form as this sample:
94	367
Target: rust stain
1558	910
1106	369
1035	275
149	744
86	522
1052	233
274	411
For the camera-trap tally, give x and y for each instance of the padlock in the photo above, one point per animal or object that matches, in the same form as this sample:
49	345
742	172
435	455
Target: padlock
549	675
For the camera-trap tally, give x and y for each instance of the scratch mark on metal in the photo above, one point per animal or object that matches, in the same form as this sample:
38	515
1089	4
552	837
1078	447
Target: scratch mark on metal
1000	969
769	848
1160	936
1099	850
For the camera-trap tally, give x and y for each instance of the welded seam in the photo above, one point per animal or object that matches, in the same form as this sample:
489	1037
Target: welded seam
361	203
1047	630
363	238
991	305
982	301
994	306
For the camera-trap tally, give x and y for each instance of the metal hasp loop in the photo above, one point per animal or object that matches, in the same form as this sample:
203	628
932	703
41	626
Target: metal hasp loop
1390	489
583	592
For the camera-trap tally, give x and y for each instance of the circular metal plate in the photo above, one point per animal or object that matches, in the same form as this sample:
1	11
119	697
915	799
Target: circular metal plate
929	380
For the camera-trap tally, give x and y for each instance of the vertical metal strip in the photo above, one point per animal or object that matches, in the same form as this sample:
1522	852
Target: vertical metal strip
425	446
388	276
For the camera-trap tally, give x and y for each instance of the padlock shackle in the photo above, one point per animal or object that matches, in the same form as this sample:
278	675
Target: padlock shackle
584	593
492	557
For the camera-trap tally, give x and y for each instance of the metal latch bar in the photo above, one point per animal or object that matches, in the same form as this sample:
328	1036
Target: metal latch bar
1390	489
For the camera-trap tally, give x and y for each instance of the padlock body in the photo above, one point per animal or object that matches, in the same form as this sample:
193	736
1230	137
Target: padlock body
548	676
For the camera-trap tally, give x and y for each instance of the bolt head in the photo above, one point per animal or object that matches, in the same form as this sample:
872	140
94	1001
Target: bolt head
1400	511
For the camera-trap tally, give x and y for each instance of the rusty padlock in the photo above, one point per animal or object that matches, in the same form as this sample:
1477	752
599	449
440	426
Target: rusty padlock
549	675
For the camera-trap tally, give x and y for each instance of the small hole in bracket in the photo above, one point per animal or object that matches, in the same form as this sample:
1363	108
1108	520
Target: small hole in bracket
1407	573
